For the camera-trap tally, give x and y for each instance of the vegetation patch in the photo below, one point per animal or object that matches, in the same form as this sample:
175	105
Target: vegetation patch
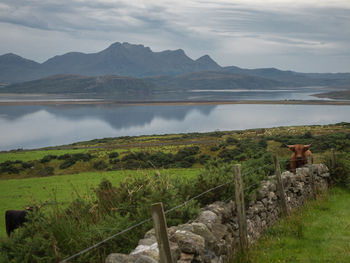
95	208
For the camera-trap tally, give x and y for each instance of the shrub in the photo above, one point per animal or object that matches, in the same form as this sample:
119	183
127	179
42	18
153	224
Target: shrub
27	165
48	158
214	148
160	159
308	135
67	163
113	155
100	165
231	141
203	158
228	155
114	161
184	152
340	172
85	157
9	167
64	156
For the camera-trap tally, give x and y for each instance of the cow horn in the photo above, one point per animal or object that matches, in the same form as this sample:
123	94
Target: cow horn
308	145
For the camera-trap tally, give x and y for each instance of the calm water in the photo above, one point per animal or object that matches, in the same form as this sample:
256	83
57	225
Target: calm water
40	126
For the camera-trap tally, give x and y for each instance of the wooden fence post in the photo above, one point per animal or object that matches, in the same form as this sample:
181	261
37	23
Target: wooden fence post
312	177
160	228
239	196
280	187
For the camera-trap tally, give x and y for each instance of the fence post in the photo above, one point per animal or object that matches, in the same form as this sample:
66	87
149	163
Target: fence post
160	228
312	177
280	187
332	158
239	196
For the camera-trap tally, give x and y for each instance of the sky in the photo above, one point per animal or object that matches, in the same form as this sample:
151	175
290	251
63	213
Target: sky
299	35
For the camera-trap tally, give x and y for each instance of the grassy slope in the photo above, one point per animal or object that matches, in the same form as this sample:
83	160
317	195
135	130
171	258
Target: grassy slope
319	232
18	193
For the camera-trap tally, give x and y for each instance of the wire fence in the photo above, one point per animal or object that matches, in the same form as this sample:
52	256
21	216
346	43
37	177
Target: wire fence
166	212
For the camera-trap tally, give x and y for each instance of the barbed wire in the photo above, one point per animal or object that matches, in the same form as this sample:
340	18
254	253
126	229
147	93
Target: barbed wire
166	212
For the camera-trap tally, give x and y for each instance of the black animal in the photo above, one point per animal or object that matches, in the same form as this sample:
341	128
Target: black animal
14	219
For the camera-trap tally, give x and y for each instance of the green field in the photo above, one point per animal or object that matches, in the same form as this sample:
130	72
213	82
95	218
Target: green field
318	232
19	193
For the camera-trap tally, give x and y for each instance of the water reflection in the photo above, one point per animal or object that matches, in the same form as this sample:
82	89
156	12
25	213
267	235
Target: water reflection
39	126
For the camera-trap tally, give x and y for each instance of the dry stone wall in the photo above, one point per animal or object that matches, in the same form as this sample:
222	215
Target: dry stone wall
213	236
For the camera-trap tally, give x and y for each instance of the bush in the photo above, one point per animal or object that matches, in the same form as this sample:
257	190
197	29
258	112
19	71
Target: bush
100	165
9	167
85	157
308	135
114	161
188	151
27	165
214	148
48	158
67	163
203	158
113	155
340	172
64	157
160	159
231	141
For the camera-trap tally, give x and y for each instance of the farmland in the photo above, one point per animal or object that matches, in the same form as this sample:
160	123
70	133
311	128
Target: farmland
121	177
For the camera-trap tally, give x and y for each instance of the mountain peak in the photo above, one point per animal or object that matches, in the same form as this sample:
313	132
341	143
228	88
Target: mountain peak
127	46
207	62
10	58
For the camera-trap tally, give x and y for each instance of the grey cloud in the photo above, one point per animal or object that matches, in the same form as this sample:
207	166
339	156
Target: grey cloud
197	26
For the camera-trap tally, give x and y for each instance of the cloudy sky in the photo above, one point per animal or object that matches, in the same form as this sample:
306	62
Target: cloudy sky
301	35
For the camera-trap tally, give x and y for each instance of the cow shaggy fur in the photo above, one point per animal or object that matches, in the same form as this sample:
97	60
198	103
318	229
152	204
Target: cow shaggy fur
299	155
14	219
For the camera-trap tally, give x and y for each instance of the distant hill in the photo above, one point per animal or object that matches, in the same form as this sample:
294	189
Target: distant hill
293	78
118	87
118	59
210	80
14	68
337	95
75	84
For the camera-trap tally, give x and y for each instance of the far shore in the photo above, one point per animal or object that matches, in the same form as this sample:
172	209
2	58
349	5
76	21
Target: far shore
145	103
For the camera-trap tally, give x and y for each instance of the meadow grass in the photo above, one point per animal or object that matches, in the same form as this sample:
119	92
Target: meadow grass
19	193
318	232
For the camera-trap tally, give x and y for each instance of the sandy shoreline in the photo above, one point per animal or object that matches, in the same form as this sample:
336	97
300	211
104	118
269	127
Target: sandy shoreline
145	103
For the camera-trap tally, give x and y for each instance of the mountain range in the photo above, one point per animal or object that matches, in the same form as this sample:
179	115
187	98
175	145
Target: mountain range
118	59
127	68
